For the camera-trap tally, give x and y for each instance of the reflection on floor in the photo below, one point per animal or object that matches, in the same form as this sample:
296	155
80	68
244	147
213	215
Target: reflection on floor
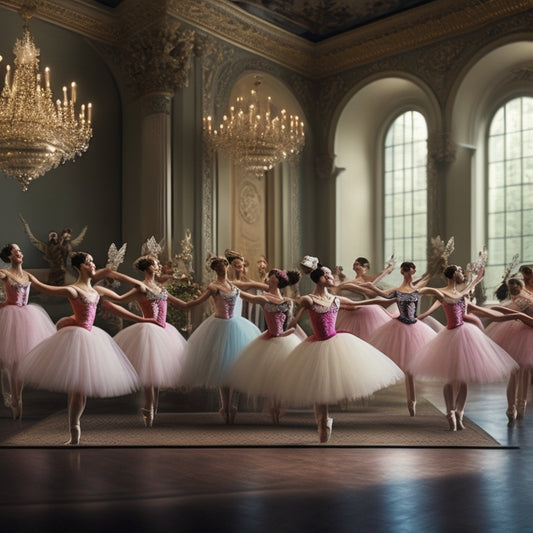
279	490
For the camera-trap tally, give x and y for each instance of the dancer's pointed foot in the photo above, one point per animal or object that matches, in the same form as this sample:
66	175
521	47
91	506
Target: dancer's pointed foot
75	435
511	415
325	427
459	420
452	421
521	409
231	415
148	417
16	409
411	406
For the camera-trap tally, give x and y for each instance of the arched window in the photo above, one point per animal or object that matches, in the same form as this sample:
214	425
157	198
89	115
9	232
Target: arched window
405	190
510	188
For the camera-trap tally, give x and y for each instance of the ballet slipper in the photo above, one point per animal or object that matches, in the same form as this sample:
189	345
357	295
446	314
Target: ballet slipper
16	409
148	417
411	406
231	415
75	435
325	426
521	409
511	414
459	420
452	421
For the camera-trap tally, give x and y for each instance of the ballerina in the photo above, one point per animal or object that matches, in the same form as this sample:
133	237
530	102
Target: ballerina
256	370
516	338
214	346
155	351
80	359
22	325
461	353
328	366
401	338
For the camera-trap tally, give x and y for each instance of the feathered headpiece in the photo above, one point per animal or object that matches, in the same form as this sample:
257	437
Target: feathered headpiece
115	257
438	257
309	263
152	247
510	268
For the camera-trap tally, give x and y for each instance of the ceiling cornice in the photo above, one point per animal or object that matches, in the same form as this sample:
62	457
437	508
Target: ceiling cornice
222	19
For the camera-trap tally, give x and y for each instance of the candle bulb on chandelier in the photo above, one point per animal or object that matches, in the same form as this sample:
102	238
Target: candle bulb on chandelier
65	98
89	112
47	78
82	113
8	76
73	92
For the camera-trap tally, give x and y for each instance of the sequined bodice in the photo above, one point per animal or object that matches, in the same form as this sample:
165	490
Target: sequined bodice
407	303
455	311
276	317
84	312
225	303
155	306
16	293
523	304
323	319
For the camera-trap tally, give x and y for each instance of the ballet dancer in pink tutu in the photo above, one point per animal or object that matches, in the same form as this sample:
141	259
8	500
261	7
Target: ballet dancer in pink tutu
516	338
368	318
461	353
155	350
214	346
329	366
258	366
402	337
22	325
80	359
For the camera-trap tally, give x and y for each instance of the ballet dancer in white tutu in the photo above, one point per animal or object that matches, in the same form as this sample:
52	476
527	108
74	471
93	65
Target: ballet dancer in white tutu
328	366
258	366
461	353
214	346
22	325
155	350
80	359
402	337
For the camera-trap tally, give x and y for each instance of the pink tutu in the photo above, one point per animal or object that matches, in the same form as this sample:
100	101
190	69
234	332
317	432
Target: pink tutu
516	338
259	365
327	371
363	321
22	327
464	354
156	353
401	341
81	361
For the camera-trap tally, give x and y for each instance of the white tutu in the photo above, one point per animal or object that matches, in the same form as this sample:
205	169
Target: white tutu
156	353
21	329
213	348
76	360
327	371
259	365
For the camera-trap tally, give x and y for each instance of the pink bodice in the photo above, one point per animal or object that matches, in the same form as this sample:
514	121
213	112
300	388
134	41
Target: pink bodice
155	306
84	313
225	303
323	319
455	312
523	304
16	293
276	317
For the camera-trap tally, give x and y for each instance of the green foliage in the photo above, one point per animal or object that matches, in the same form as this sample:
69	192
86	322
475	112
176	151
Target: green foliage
184	290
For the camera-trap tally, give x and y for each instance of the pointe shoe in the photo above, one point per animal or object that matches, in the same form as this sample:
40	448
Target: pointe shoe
511	415
148	417
459	420
231	415
411	406
16	409
325	427
521	409
452	421
75	435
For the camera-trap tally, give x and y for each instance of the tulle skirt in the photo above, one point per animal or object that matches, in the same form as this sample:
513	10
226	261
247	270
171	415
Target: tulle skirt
433	323
21	329
464	354
516	338
156	353
213	348
260	364
341	367
80	361
363	321
401	341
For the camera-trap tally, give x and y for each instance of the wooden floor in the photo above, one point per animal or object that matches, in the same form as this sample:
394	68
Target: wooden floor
279	490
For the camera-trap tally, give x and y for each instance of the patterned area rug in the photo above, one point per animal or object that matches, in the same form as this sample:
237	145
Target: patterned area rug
380	421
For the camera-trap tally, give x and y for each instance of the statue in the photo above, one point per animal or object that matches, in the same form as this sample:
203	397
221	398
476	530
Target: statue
56	251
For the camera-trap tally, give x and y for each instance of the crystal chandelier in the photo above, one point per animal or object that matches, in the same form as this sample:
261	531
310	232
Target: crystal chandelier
37	135
253	137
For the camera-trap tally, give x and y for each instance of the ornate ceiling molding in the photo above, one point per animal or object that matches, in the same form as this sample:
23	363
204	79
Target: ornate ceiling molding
221	19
